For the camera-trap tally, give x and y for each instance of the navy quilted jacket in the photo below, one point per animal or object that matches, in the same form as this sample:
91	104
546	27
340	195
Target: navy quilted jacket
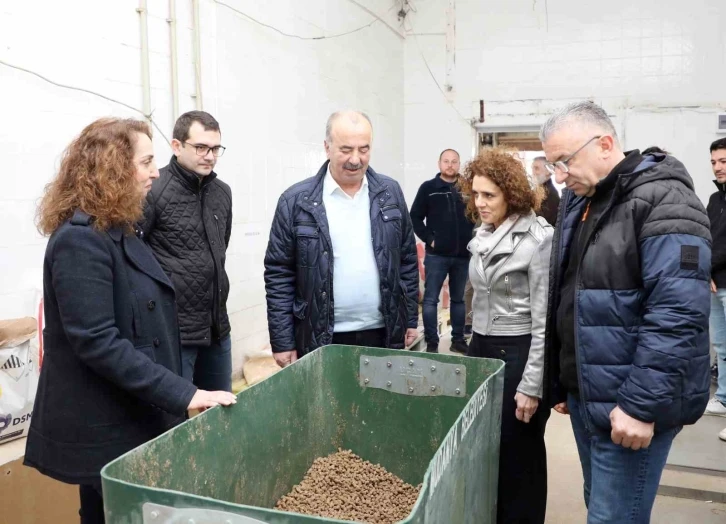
299	268
642	300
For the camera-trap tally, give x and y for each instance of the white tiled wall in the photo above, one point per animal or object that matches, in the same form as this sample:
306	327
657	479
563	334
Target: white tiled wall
271	94
658	66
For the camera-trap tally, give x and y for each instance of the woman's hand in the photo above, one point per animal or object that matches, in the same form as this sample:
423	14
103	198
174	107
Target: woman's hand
208	399
526	407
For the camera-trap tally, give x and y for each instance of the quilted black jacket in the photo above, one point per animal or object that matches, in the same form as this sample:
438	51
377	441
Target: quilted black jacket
299	268
188	222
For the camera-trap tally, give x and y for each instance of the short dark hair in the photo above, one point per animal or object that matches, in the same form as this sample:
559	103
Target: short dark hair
718	144
184	123
654	149
539	159
445	150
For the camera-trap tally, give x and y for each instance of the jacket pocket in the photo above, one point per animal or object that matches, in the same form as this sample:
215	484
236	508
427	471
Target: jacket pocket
147	350
307	236
391	213
220	227
508	292
299	309
392	226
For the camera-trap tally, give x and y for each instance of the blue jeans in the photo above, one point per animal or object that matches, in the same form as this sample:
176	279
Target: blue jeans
718	339
437	269
209	367
620	484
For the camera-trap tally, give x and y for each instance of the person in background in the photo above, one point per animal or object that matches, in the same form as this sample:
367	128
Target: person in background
627	329
439	219
716	207
188	224
509	272
110	379
551	203
341	265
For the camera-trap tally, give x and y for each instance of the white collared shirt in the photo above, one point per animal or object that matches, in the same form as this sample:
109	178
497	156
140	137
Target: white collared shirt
356	282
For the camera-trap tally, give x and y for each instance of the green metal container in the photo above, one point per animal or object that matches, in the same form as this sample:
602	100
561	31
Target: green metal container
430	419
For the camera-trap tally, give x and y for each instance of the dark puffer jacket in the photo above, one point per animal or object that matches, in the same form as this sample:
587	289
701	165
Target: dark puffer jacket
299	268
642	299
187	223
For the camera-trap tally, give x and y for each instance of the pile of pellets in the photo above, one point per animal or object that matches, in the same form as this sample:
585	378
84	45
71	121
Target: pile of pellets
344	486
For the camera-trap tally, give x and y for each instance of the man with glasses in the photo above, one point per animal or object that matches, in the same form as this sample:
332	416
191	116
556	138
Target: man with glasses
188	223
627	329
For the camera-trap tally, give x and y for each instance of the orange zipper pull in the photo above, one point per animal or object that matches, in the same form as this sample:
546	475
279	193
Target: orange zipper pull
587	211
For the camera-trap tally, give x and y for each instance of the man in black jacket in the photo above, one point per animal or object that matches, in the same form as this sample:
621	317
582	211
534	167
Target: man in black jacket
716	207
341	264
188	223
551	203
446	233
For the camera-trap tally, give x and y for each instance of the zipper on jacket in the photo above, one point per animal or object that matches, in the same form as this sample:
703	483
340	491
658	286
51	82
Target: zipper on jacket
554	283
508	293
578	285
216	294
456	219
219	235
493	280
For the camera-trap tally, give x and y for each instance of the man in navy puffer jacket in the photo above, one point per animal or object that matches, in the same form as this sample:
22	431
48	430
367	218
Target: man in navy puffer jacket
627	332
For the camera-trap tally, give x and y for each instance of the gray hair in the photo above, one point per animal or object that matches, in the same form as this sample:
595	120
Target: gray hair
351	113
539	159
586	112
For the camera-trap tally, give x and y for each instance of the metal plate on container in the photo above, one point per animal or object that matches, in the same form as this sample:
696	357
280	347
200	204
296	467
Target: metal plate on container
158	514
420	377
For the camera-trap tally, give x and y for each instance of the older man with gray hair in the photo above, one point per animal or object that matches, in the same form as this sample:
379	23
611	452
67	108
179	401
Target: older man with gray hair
627	328
341	265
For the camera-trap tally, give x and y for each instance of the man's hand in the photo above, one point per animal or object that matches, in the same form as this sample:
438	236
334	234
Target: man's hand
714	289
432	244
526	407
629	432
285	358
411	334
562	408
203	400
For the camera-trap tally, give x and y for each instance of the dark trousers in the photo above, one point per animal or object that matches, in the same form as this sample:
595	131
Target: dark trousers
209	367
437	269
522	493
91	504
372	338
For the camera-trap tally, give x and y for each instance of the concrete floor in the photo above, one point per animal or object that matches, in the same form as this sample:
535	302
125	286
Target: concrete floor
565	504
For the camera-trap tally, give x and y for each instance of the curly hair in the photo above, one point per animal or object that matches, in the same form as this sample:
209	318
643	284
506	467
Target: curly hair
500	166
97	175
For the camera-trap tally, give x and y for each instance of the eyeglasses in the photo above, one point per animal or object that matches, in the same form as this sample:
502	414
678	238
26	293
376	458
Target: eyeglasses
562	165
203	150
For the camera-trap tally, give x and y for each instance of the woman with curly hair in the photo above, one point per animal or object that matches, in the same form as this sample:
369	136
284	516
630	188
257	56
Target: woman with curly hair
509	271
110	376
